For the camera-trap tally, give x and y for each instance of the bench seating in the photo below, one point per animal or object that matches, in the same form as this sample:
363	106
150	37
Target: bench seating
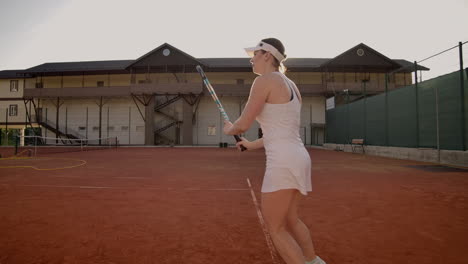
357	143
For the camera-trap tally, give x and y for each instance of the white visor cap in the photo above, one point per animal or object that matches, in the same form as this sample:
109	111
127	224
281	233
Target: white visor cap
266	47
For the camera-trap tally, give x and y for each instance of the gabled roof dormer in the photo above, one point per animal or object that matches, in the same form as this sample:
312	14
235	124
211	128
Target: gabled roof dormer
162	56
361	58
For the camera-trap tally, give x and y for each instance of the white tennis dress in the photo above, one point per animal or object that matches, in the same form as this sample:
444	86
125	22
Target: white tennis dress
288	164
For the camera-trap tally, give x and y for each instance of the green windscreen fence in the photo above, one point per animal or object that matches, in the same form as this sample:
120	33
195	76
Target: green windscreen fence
376	125
427	115
334	119
450	113
356	119
407	117
402	117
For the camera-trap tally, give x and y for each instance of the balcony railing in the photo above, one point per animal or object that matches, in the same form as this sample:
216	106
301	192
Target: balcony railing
196	88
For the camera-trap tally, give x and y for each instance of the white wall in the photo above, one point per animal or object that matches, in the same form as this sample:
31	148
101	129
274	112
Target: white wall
313	111
73	113
119	111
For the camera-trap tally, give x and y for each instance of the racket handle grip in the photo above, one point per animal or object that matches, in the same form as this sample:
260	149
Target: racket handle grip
239	139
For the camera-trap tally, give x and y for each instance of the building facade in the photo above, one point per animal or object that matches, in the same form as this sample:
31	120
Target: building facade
159	98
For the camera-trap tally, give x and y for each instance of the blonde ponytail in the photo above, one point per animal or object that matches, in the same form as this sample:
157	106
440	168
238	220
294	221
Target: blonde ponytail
282	68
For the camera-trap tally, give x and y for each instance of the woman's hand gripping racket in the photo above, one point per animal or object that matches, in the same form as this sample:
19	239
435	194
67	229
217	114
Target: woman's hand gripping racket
218	103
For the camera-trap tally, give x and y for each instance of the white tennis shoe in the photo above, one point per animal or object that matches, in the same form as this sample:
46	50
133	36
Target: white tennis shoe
316	260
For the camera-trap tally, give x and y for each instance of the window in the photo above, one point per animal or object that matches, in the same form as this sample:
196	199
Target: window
111	128
100	84
212	131
13	110
95	128
81	128
14	86
124	128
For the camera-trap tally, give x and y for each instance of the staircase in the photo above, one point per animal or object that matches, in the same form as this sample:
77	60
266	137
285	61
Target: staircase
169	120
161	129
51	127
168	102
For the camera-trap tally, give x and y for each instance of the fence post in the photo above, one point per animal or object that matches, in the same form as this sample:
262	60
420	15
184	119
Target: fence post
347	117
462	97
16	144
386	109
417	102
365	113
437	122
87	123
46	121
66	120
6	126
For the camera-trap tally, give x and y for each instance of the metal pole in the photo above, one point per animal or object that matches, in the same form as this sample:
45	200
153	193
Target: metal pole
462	97
46	122
129	123
386	109
66	120
87	123
57	120
108	121
365	113
325	131
417	101
6	127
100	121
347	117
437	123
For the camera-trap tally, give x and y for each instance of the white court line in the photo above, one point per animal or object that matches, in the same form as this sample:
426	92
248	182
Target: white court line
109	187
132	177
274	254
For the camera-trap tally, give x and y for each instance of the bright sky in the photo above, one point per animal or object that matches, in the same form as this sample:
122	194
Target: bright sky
34	32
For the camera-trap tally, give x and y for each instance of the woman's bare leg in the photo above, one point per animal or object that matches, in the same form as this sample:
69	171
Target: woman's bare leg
299	230
275	208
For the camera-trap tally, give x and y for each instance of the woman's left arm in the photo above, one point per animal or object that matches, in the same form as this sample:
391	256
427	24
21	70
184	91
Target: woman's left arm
257	98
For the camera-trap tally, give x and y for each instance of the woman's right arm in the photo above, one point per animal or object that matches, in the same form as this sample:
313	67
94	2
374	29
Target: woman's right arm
250	145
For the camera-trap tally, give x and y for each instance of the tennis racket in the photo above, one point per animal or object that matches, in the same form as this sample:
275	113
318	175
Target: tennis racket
215	98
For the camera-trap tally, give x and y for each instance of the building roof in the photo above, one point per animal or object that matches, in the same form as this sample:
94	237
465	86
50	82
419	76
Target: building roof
164	55
10	74
365	58
245	62
80	66
159	58
407	66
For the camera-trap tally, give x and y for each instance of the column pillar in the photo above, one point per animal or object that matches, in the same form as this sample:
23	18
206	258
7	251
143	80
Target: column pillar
149	121
187	131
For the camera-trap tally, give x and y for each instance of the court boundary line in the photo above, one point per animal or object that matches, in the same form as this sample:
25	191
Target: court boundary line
82	162
273	252
116	187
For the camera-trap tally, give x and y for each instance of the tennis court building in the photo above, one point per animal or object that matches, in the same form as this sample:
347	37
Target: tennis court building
159	98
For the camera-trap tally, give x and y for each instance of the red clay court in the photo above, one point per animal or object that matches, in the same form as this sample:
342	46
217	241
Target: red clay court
194	205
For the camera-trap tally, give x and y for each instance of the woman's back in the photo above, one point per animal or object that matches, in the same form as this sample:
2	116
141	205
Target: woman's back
281	121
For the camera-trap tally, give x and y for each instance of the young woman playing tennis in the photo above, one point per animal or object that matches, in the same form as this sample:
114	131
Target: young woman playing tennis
275	102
